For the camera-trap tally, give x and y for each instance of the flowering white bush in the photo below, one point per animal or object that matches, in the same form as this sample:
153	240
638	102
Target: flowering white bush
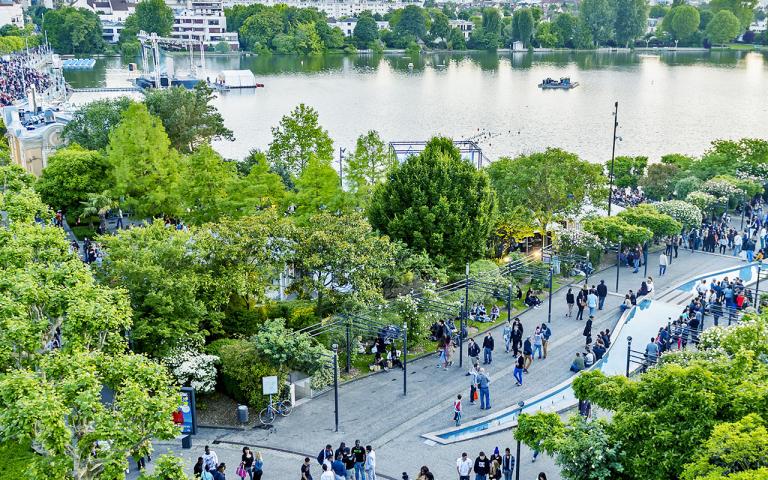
687	214
704	201
577	241
194	369
685	357
712	337
720	187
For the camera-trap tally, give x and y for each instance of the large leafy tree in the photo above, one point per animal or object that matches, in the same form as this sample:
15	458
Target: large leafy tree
617	230
549	184
436	202
317	189
61	408
411	23
683	21
369	165
440	27
631	20
659	181
144	164
260	186
649	217
723	27
366	30
744	10
522	25
598	17
298	137
154	16
564	27
91	123
188	116
340	258
71	175
627	170
73	30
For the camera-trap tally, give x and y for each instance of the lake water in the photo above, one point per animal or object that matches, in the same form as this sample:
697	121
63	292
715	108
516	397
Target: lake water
668	102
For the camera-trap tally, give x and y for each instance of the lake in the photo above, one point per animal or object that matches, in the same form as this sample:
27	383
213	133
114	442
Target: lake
669	102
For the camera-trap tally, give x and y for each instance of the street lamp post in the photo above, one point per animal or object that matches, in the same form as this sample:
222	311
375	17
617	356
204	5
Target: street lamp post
618	264
341	166
613	154
520	404
551	272
757	287
335	348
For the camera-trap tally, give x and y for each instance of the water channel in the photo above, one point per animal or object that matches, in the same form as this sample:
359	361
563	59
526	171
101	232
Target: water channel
668	101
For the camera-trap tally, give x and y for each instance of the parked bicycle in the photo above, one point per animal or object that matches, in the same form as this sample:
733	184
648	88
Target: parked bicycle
268	414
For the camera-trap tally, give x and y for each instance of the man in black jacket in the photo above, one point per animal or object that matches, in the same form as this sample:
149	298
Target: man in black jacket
473	350
487	349
602	292
482	467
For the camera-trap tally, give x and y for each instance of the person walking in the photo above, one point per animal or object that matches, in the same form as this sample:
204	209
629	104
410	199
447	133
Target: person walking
473	394
528	353
463	466
663	262
581	303
592	302
545	334
246	462
570	300
349	463
588	331
507	464
602	292
306	473
457	410
483	383
197	470
327	473
487	349
358	451
518	372
537	342
473	350
507	335
210	459
517	336
370	463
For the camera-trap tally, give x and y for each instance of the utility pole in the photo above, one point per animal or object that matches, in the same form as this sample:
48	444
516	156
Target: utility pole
341	166
613	154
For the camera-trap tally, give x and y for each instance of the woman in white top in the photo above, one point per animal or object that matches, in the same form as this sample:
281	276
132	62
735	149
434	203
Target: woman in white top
649	284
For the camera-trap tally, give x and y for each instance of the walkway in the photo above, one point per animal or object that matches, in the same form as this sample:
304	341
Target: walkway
374	410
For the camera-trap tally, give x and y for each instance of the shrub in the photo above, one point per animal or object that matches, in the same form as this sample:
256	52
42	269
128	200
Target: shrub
193	368
687	214
241	371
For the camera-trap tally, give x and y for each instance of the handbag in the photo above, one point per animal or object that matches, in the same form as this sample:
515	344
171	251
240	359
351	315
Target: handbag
475	395
241	471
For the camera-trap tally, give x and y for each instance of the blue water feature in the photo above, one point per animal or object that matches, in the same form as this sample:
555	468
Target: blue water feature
747	273
640	323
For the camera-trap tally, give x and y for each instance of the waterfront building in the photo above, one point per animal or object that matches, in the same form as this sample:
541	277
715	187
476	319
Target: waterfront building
336	8
202	20
34	133
464	25
11	13
112	14
347	26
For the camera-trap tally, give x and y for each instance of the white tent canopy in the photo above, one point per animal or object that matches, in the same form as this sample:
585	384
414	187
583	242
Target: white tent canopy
236	78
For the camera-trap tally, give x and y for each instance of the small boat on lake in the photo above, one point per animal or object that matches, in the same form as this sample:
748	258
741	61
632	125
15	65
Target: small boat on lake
564	83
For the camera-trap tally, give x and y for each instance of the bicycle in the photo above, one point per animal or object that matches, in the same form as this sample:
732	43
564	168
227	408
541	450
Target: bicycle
268	414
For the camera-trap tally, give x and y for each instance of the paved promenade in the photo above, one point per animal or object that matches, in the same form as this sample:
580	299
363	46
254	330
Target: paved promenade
375	411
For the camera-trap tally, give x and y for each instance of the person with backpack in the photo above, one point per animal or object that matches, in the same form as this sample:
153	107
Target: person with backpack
545	334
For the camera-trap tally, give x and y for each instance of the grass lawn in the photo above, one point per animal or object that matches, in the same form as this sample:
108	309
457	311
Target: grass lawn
16	459
83	231
743	46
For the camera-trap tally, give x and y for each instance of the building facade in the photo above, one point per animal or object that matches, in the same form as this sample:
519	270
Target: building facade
11	13
33	135
464	25
202	20
338	8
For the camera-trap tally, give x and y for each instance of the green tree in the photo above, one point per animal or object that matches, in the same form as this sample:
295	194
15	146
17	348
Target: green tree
58	407
723	28
456	40
631	20
298	137
704	201
261	186
744	10
411	23
437	202
686	185
684	21
91	123
188	116
154	16
648	216
598	16
658	11
522	25
71	175
340	258
73	30
317	189
366	31
98	204
209	187
615	230
145	166
369	165
284	348
306	41
659	181
564	27
683	162
628	170
545	37
260	29
440	27
551	184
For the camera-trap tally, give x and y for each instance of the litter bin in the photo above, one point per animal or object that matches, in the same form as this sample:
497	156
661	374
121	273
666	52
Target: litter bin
186	441
242	413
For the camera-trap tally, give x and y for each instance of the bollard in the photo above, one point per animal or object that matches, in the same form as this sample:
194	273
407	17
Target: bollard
242	413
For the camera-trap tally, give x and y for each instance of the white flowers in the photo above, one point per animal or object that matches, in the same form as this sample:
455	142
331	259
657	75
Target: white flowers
570	240
686	213
194	369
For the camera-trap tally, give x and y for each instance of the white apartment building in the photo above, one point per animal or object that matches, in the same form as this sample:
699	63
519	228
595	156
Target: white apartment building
11	13
112	14
464	25
336	8
202	20
348	25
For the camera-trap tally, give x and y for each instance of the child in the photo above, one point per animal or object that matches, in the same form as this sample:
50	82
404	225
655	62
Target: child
457	410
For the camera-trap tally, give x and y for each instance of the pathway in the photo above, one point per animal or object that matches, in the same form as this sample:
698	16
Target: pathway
374	410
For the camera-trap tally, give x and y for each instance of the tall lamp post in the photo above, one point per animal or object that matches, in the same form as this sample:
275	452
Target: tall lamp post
757	287
520	404
613	154
341	166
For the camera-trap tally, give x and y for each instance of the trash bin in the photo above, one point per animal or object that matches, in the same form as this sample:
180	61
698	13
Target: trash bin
186	441
242	413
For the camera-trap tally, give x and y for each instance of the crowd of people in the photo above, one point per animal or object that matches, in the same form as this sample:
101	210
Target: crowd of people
627	197
17	75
